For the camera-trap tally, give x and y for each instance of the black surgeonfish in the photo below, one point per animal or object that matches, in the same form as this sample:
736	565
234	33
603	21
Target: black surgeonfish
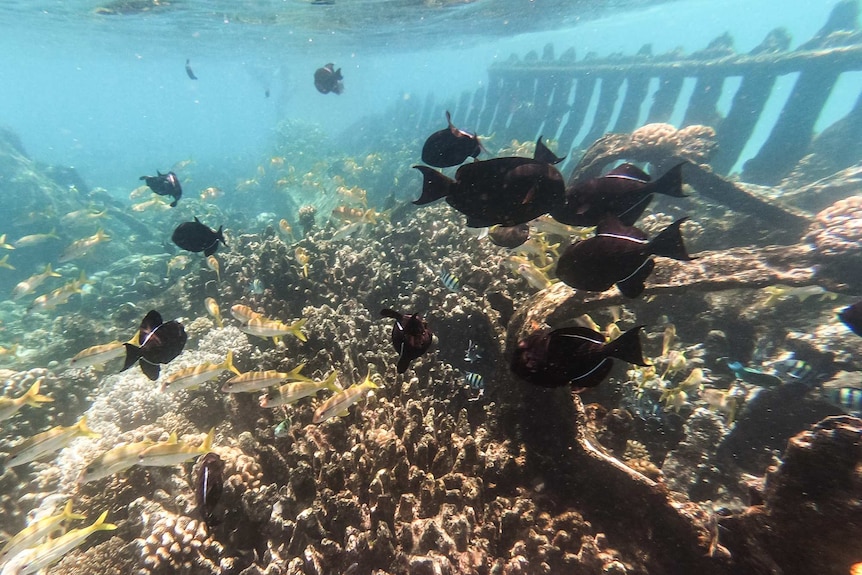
576	356
509	236
189	70
623	192
328	79
159	342
851	316
450	146
196	237
165	185
411	336
506	191
209	487
618	254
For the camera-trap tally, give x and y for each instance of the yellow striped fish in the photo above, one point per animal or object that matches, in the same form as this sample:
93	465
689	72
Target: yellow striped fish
265	327
243	313
291	392
339	403
98	354
30	535
10	406
48	442
195	376
257	380
173	452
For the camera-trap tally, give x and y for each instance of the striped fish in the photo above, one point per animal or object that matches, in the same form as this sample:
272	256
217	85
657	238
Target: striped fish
452	283
195	376
258	380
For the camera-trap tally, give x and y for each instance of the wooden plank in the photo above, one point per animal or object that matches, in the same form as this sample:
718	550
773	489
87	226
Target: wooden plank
609	92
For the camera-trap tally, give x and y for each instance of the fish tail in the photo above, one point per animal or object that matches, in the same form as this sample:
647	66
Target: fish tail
67	512
50	273
331	384
84	430
670	184
208	441
295	329
295	372
669	243
228	363
33	398
434	185
220	235
100	524
133	354
627	347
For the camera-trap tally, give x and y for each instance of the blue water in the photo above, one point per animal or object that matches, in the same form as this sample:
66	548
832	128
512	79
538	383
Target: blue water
109	94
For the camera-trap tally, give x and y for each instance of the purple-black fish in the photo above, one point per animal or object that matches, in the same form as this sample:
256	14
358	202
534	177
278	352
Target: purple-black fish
165	185
623	192
411	336
197	237
852	317
209	487
450	146
159	342
618	254
576	356
506	191
509	236
328	79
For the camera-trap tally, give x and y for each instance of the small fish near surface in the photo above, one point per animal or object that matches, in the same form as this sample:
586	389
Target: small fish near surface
506	191
209	487
618	254
450	146
576	356
623	192
411	337
197	237
165	185
189	72
160	342
328	79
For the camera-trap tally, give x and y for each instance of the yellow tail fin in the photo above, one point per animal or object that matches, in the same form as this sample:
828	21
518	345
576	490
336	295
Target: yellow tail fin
32	396
228	363
295	329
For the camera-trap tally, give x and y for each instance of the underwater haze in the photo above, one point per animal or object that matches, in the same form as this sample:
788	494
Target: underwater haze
430	287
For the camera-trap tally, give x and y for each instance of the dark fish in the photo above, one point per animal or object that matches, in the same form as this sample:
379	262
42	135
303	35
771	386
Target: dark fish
624	192
328	79
209	487
158	343
852	317
189	70
576	356
196	237
618	254
266	93
450	147
506	191
165	185
509	236
410	337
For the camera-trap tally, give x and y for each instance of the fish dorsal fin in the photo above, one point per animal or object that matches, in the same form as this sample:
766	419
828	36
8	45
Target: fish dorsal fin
630	171
173	437
544	154
579	332
391	313
151	321
197	221
611	225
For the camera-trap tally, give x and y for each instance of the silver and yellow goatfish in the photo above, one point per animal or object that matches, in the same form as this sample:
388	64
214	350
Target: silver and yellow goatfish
4	245
48	442
535	276
291	392
114	460
780	291
82	215
195	376
37	558
257	380
30	284
243	313
4	263
339	403
59	296
173	451
10	406
546	224
80	247
39	529
98	354
265	327
214	310
35	239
